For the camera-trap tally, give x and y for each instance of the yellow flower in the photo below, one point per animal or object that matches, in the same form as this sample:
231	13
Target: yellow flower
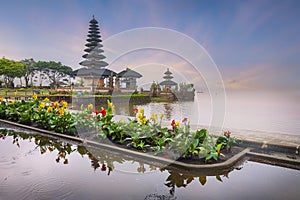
177	123
34	96
121	120
90	106
142	110
42	105
110	105
49	109
61	111
140	116
161	116
55	104
153	117
1	99
64	104
46	100
16	92
144	121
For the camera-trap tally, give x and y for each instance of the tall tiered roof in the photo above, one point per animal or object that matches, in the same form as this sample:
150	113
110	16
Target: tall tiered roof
94	57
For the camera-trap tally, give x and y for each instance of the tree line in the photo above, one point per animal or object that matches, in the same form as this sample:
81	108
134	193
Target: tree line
29	70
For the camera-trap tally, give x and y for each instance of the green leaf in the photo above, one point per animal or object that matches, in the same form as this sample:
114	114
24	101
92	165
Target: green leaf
219	178
195	143
202	180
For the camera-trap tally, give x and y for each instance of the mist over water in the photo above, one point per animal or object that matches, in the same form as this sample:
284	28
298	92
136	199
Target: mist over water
246	110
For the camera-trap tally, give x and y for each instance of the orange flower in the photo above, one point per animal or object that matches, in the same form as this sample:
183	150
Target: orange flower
61	111
49	109
64	104
55	104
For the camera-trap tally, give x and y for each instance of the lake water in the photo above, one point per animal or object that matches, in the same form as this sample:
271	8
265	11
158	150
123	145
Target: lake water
261	111
36	167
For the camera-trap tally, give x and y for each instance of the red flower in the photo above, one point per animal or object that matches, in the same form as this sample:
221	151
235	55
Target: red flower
103	112
89	116
103	168
165	156
173	123
97	112
135	110
227	133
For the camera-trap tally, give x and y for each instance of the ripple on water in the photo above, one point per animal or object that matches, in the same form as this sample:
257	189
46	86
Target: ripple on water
44	187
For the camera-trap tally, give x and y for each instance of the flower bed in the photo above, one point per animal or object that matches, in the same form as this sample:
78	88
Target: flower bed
141	133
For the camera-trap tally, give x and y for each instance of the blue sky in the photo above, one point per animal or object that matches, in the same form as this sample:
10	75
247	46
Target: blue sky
255	44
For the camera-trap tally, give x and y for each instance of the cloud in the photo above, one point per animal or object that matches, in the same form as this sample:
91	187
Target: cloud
262	77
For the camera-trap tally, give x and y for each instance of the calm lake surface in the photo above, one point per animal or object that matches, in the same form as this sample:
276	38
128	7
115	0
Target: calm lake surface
36	167
262	111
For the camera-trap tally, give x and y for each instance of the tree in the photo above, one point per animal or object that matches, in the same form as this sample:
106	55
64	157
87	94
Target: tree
30	66
55	71
10	70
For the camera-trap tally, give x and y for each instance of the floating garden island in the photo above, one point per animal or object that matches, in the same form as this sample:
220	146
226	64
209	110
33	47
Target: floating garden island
141	137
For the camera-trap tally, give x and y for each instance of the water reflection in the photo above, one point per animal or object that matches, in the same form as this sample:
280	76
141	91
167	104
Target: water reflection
168	110
125	109
103	160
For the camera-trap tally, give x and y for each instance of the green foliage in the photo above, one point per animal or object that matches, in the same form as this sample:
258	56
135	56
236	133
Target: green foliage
10	70
139	133
30	70
226	141
44	114
55	71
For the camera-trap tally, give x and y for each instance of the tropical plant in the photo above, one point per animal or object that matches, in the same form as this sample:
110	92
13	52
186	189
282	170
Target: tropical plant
141	133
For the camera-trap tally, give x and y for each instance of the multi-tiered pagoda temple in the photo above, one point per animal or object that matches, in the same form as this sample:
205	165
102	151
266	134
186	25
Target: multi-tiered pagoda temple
168	83
94	72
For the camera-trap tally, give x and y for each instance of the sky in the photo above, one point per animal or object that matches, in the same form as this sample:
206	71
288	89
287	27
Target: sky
254	44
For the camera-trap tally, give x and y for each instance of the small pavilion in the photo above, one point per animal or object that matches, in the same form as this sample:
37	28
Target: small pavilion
128	79
168	84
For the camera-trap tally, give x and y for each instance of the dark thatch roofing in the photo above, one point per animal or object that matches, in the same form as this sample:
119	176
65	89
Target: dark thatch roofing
94	72
168	83
93	63
128	73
